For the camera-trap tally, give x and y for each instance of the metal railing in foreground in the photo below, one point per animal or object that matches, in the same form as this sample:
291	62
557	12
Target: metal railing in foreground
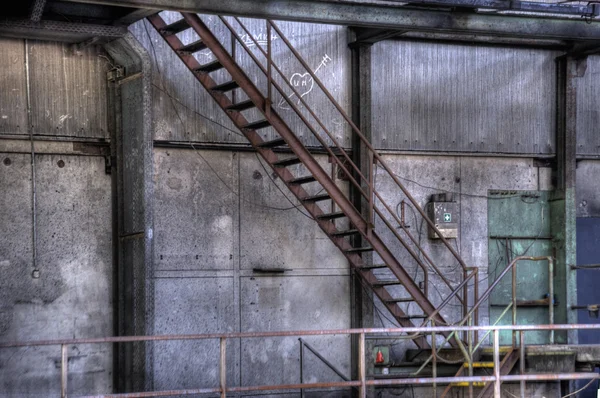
361	383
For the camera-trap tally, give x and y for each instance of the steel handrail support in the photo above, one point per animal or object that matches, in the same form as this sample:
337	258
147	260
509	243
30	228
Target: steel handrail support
365	141
362	382
342	151
331	366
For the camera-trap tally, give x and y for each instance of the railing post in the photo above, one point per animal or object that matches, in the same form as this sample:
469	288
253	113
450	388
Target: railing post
497	393
362	364
223	366
522	361
514	304
551	296
434	360
301	366
371	220
470	343
64	363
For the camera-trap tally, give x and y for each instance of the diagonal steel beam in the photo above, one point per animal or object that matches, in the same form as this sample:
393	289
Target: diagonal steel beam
379	16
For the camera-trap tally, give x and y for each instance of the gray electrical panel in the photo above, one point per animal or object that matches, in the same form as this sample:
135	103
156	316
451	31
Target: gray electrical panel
443	211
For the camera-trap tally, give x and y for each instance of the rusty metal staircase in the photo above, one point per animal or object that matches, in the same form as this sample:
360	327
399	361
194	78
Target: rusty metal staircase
375	228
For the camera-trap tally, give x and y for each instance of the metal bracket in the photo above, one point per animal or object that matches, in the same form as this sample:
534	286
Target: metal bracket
116	73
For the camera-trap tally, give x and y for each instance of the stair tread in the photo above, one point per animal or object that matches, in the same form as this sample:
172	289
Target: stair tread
401	300
345	233
192	47
272	143
175	27
359	249
316	198
303	180
259	124
330	216
387	283
226	86
241	106
287	162
209	67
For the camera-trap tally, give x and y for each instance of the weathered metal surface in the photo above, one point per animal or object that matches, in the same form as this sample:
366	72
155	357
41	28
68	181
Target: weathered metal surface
466	99
376	15
13	102
587	198
68	91
588	109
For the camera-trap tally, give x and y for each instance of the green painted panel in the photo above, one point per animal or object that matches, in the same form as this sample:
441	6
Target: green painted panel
518	225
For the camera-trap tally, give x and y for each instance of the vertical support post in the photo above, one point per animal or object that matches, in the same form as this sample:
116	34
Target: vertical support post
497	391
522	361
301	367
514	304
223	366
563	203
362	308
362	374
551	297
470	343
475	298
64	363
434	360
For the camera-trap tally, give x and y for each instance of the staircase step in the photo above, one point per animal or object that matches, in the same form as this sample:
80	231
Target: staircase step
345	233
191	48
359	249
226	86
241	106
209	67
273	143
387	283
175	28
331	216
466	384
373	266
480	364
303	180
316	198
260	124
286	162
400	300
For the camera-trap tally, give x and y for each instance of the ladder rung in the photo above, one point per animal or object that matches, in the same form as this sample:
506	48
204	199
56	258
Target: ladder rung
175	28
331	216
260	124
316	198
210	67
272	143
226	86
303	180
286	162
345	233
192	47
241	106
400	300
387	283
359	250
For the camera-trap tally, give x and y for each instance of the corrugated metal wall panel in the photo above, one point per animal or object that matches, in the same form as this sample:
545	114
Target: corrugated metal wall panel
437	97
13	101
323	46
588	104
68	90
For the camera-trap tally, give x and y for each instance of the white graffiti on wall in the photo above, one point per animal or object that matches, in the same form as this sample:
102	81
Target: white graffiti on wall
303	83
261	39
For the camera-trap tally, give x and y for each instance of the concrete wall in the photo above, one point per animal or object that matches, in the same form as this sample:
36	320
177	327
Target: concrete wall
72	297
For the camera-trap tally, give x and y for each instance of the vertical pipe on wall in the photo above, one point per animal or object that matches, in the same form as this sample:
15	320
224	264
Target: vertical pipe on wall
35	272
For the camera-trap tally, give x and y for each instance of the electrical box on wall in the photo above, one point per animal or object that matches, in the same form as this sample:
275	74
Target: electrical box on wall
443	211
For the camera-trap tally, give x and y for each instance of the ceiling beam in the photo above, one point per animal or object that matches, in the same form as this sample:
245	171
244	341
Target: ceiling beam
380	16
57	31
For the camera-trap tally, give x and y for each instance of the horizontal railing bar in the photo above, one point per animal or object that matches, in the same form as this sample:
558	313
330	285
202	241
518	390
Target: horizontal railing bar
380	382
243	335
